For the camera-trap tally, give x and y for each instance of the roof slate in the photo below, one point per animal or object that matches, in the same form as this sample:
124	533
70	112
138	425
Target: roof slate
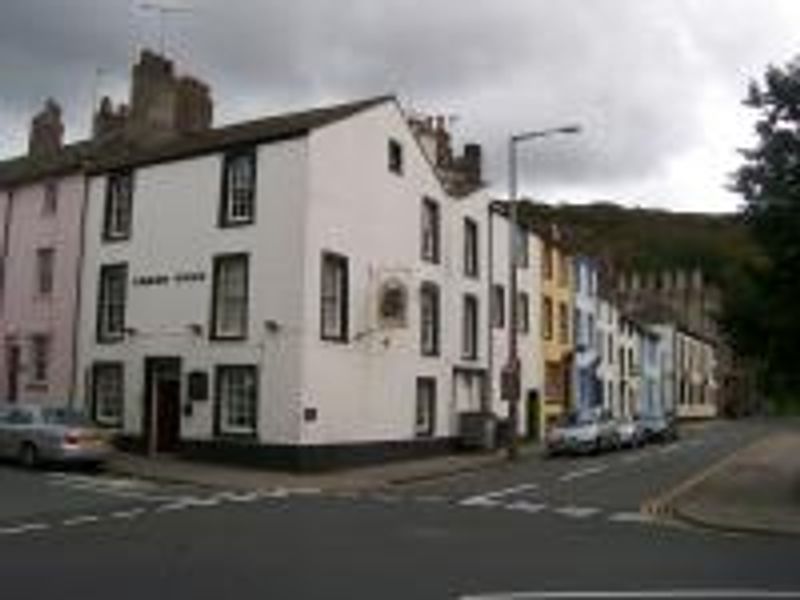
118	153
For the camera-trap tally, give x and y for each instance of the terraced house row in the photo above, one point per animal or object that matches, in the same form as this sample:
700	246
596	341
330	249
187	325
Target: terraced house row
308	289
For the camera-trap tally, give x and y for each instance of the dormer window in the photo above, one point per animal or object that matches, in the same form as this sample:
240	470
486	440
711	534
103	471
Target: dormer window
238	189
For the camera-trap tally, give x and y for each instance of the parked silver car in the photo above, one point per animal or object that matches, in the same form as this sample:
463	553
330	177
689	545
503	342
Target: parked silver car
582	432
37	434
630	432
659	427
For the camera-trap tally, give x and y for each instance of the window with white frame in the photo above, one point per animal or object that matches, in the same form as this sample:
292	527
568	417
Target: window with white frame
239	189
547	318
108	393
119	206
237	398
45	264
471	252
563	323
111	302
469	333
334	294
431	231
40	358
498	306
425	420
429	319
230	301
523	312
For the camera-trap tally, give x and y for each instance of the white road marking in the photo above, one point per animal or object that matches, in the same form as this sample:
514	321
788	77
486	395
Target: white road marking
80	520
670	449
491	498
585	472
25	528
698	594
90	486
630	517
304	491
479	501
172	506
527	507
238	497
577	512
276	493
128	514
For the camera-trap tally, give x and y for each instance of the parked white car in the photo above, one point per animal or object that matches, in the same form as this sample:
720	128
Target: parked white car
630	433
582	432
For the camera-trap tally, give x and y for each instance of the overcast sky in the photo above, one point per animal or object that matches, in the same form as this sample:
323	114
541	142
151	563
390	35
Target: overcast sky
656	84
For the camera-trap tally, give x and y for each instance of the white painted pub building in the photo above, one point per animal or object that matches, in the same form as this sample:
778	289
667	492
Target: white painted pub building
299	290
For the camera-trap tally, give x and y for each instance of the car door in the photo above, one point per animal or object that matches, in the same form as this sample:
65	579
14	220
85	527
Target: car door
17	425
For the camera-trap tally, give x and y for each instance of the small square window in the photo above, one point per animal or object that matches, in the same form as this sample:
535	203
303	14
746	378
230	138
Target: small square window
395	157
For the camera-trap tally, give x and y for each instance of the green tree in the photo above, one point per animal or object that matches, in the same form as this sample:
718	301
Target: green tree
765	318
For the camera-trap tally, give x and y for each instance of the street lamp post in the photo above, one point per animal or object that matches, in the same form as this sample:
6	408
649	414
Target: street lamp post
511	387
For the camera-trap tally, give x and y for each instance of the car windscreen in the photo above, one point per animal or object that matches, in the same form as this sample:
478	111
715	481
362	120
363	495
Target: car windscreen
65	416
577	419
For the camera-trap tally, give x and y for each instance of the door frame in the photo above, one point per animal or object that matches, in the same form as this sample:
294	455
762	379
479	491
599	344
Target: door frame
155	367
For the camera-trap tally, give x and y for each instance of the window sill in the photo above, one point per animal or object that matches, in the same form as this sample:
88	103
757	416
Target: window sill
215	337
114	239
233	224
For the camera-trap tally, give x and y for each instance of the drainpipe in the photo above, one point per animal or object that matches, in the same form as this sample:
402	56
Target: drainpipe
488	400
76	313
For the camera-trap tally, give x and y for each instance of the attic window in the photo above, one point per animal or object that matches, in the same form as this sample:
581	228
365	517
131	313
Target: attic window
395	157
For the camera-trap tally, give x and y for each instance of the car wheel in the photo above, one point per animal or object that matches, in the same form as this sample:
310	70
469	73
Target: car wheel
29	455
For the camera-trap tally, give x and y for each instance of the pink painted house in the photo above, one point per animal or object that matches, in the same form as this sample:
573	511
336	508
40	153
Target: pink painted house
41	207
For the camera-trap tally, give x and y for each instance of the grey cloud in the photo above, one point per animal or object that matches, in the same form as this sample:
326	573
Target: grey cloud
633	73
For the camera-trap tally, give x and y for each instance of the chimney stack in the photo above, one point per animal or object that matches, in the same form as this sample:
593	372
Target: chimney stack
46	137
472	163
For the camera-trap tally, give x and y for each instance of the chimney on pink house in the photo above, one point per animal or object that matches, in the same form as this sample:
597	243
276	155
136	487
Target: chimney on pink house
46	136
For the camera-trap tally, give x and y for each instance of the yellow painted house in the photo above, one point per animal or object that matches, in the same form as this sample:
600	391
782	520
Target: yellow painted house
556	330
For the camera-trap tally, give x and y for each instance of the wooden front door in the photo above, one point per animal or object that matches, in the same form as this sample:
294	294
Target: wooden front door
162	410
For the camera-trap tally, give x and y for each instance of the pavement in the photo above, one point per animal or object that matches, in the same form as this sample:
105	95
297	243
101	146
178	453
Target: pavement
562	528
755	490
174	469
